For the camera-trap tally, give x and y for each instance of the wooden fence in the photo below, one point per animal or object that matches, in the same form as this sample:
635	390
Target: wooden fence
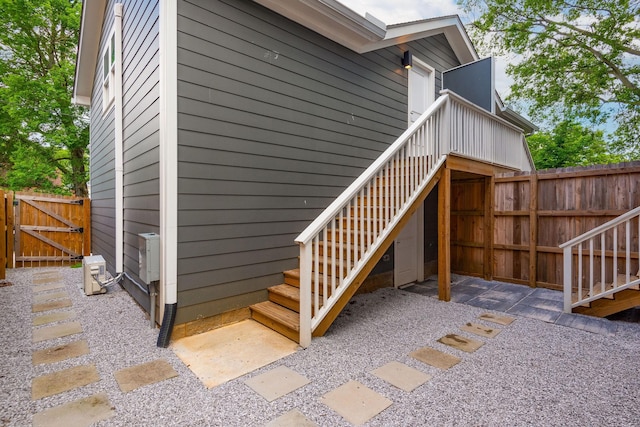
42	230
534	213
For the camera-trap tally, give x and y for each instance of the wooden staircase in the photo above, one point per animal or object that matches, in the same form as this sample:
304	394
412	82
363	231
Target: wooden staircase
603	252
282	310
611	303
342	245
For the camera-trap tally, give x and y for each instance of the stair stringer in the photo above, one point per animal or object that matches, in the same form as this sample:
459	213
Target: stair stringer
623	300
373	259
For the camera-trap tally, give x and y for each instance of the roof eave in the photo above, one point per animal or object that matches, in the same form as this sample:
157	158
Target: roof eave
331	19
88	45
365	34
451	26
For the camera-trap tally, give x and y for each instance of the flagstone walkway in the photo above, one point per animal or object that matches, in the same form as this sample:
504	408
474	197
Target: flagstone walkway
49	296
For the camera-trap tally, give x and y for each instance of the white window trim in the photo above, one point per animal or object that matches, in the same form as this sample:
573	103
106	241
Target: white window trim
108	81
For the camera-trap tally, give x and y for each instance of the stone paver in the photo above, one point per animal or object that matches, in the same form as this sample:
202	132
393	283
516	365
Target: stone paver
402	376
293	418
78	413
50	296
588	323
60	353
543	303
276	383
65	380
461	343
56	331
434	357
500	320
480	330
48	287
58	316
535	313
46	279
51	305
147	373
355	402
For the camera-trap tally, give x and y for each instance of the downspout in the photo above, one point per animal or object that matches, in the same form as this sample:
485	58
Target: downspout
168	159
119	136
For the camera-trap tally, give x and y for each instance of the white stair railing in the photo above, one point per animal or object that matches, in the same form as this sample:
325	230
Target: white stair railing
337	245
593	281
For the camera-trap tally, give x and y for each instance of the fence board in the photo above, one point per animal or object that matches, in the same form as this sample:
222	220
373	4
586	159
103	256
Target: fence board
534	213
50	230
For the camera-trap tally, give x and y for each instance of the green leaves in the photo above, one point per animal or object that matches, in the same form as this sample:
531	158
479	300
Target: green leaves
39	125
579	58
569	144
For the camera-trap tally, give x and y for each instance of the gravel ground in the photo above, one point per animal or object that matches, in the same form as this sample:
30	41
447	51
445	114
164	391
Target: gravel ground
532	373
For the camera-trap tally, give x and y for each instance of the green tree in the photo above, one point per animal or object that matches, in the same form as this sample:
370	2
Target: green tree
38	41
569	144
578	58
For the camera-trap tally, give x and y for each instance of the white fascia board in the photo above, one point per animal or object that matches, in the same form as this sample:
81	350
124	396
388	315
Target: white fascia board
450	26
88	46
331	19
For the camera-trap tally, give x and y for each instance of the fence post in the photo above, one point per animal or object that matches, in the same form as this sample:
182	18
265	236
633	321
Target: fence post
86	227
533	229
10	230
5	235
567	278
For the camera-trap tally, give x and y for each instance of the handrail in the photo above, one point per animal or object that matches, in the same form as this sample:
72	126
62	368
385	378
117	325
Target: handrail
339	243
334	208
599	229
596	289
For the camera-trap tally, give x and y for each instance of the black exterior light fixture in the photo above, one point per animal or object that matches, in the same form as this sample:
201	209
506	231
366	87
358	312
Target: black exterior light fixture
407	60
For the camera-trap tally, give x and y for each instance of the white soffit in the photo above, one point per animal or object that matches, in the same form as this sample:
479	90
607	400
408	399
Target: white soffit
88	45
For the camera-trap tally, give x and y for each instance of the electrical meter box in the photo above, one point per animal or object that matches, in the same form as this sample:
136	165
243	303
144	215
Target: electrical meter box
149	257
95	271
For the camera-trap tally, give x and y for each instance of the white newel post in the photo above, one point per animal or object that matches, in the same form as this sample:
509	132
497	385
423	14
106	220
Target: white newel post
567	278
305	294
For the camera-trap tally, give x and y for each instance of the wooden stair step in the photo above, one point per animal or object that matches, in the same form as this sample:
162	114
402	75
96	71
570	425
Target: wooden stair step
278	318
285	295
292	278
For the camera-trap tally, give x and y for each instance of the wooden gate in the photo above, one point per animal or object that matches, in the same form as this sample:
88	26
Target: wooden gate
50	230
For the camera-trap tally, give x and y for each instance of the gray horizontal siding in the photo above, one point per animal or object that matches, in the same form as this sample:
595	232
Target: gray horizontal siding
140	120
140	128
274	122
101	157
